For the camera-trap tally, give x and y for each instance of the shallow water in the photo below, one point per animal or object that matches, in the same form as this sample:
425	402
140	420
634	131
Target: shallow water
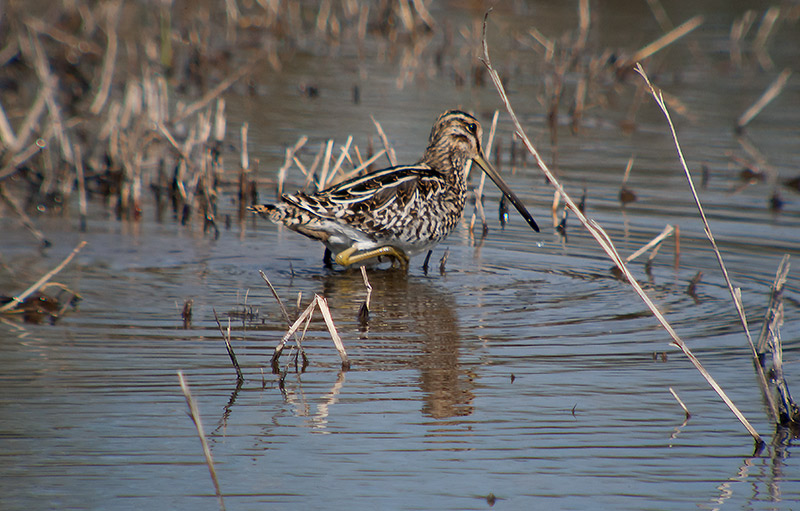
525	371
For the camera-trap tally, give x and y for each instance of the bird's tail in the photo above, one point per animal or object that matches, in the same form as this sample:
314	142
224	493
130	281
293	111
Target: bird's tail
271	211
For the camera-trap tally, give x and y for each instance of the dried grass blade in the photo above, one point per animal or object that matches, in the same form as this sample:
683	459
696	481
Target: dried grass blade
772	92
15	301
605	242
194	413
337	341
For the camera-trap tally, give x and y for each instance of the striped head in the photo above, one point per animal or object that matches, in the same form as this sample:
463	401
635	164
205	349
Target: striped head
455	139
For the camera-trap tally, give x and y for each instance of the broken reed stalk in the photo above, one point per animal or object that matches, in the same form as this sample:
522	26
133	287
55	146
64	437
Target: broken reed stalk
337	341
788	412
665	40
17	300
680	402
227	338
194	413
326	165
363	311
605	242
775	299
735	292
772	92
110	57
79	176
326	314
278	298
320	302
668	230
363	166
290	152
389	150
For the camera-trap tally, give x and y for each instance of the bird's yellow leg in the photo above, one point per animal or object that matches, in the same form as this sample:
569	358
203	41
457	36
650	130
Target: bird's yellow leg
348	256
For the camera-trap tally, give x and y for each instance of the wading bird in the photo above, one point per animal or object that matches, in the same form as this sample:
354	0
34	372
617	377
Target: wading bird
400	211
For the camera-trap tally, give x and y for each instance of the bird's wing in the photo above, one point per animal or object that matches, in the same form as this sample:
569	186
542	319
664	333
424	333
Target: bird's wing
372	192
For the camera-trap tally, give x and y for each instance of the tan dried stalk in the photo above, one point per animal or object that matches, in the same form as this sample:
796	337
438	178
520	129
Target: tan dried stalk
605	242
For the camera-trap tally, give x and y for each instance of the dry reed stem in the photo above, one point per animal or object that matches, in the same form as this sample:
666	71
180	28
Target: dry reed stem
767	23
775	88
789	412
227	338
290	152
584	18
660	15
389	150
113	10
79	176
42	67
292	329
366	285
320	302
655	242
6	132
216	91
762	35
245	157
735	293
424	14
326	165
605	242
85	45
194	413
34	113
628	168
337	341
680	402
16	300
665	40
345	153
363	166
775	298
278	298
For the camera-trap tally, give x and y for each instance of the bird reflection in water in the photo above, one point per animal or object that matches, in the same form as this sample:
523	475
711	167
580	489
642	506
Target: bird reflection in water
403	305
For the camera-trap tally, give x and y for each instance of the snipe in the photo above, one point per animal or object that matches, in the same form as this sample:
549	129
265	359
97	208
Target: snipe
396	212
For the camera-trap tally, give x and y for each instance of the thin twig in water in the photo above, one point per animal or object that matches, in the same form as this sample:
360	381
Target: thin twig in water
605	242
337	341
775	298
772	92
228	347
665	40
668	230
685	410
363	311
735	292
16	300
194	413
278	298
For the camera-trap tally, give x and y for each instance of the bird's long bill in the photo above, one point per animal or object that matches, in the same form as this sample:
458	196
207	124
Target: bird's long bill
506	191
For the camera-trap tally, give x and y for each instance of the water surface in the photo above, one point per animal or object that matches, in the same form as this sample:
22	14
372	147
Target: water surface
525	371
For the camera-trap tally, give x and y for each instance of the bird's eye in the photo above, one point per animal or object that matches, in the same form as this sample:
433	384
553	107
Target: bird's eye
472	127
